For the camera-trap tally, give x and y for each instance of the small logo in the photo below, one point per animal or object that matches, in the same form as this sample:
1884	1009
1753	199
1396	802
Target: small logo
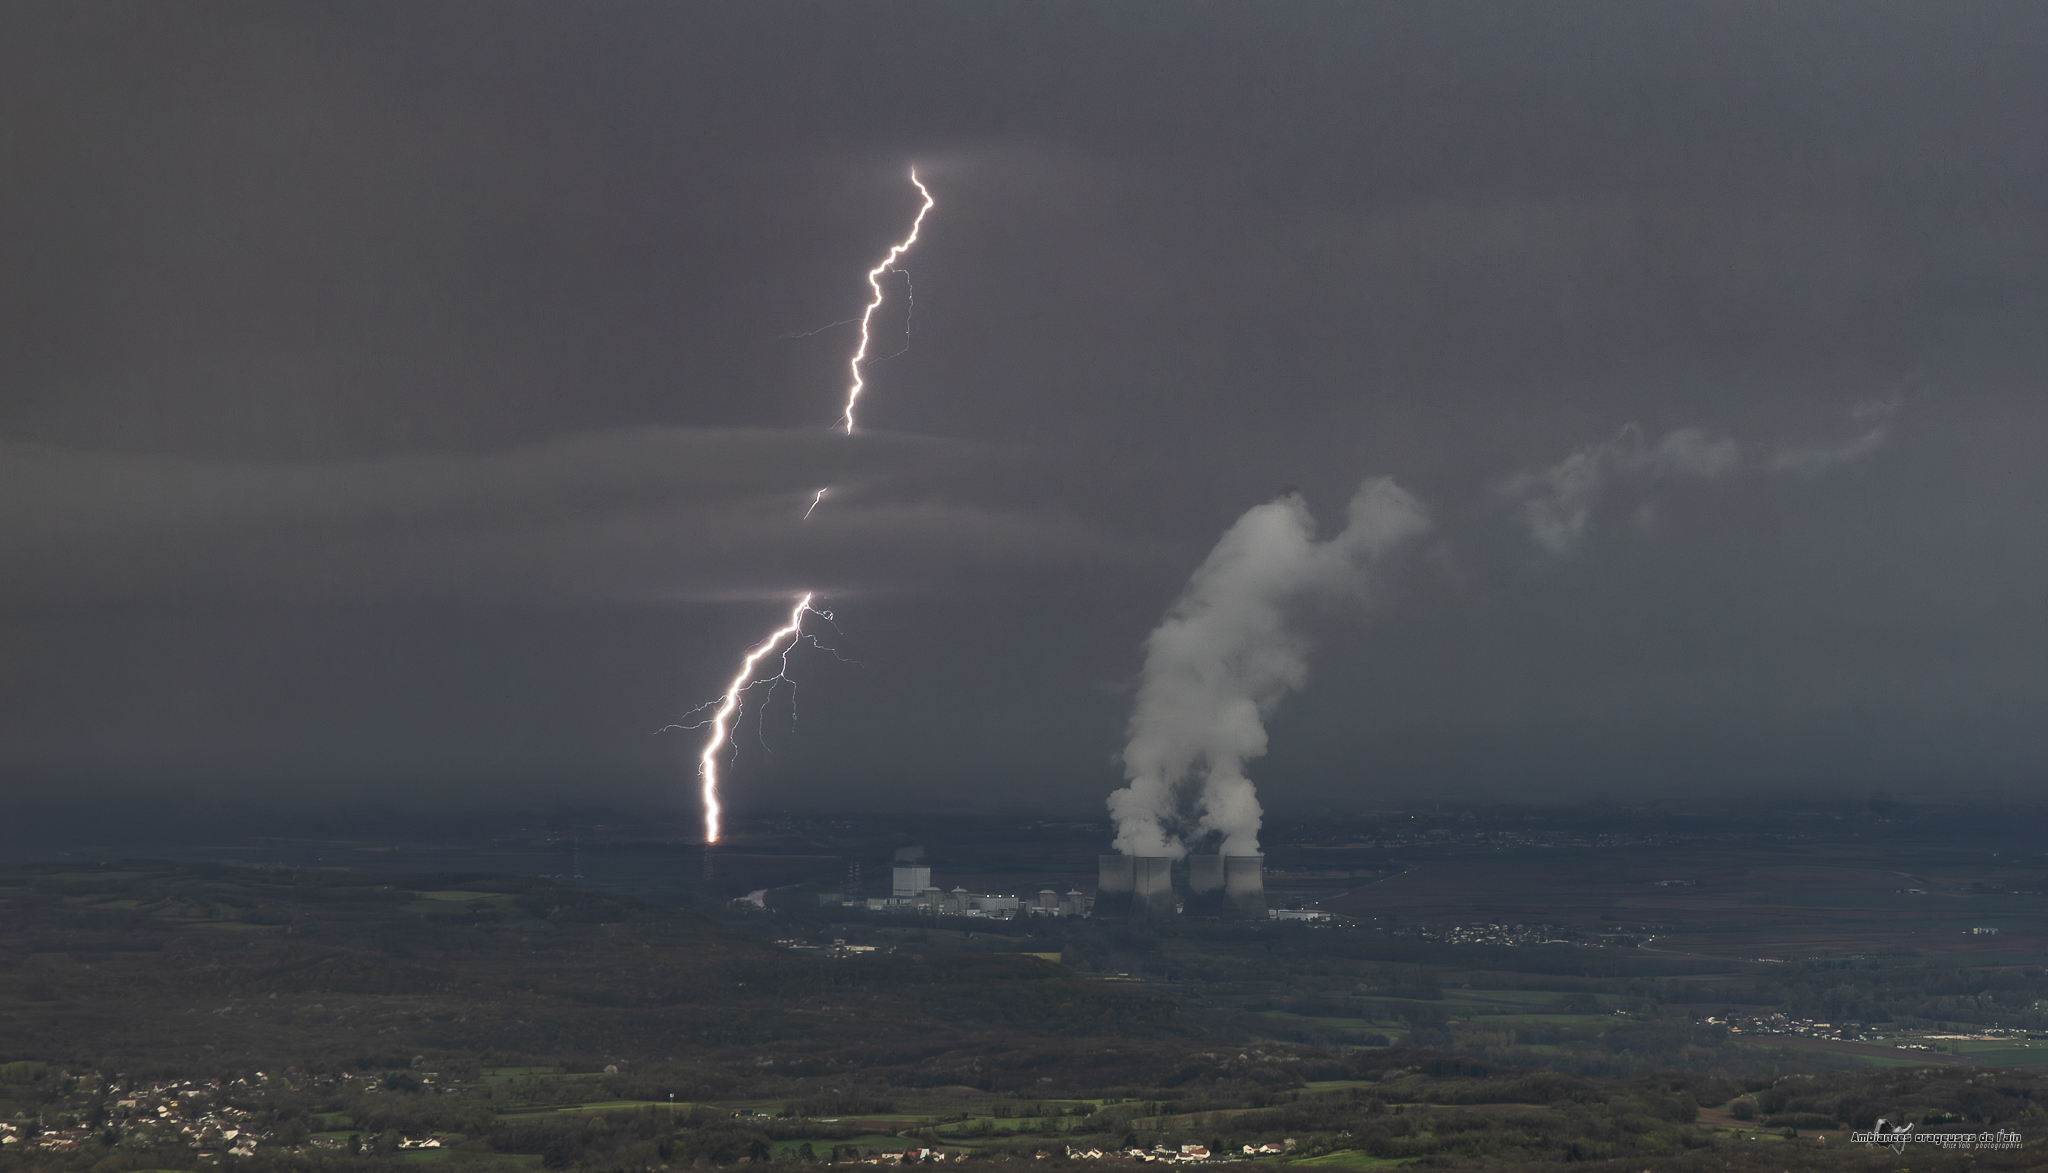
1898	1136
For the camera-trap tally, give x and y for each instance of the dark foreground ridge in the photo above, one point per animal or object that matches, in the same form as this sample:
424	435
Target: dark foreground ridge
164	1016
152	963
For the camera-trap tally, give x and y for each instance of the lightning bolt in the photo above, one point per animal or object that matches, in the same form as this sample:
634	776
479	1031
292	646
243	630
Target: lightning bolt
860	353
727	708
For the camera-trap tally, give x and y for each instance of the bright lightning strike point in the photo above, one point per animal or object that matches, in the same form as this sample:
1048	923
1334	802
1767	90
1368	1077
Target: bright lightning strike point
721	720
888	262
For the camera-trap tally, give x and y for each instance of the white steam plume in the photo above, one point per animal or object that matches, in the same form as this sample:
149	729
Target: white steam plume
1557	503
1224	657
1876	417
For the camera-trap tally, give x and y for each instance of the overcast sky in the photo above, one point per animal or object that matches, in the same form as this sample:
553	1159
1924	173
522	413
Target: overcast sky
421	400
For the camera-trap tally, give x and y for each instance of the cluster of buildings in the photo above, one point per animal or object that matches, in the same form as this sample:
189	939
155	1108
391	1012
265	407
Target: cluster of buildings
1493	934
838	948
52	1139
1186	1154
186	1110
1300	914
1784	1024
193	1112
912	891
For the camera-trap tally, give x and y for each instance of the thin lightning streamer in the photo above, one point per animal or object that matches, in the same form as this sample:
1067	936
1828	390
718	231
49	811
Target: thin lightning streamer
888	262
909	312
818	331
815	500
783	677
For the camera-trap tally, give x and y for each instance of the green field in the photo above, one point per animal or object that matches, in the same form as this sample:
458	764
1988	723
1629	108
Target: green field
590	1106
2003	1053
1512	998
1392	1029
1016	1124
1482	1020
1353	1159
540	1076
786	1150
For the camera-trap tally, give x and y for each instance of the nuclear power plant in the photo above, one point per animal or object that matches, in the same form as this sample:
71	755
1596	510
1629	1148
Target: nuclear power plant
1203	885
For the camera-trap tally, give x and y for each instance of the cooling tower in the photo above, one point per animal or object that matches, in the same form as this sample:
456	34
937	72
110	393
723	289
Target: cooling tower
1244	883
1115	877
1134	885
1152	886
1205	887
1115	874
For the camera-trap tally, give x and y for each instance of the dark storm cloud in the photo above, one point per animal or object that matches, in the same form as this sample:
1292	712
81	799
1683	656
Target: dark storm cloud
655	515
431	392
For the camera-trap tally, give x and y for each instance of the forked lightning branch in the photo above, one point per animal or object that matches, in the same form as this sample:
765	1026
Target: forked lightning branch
727	707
